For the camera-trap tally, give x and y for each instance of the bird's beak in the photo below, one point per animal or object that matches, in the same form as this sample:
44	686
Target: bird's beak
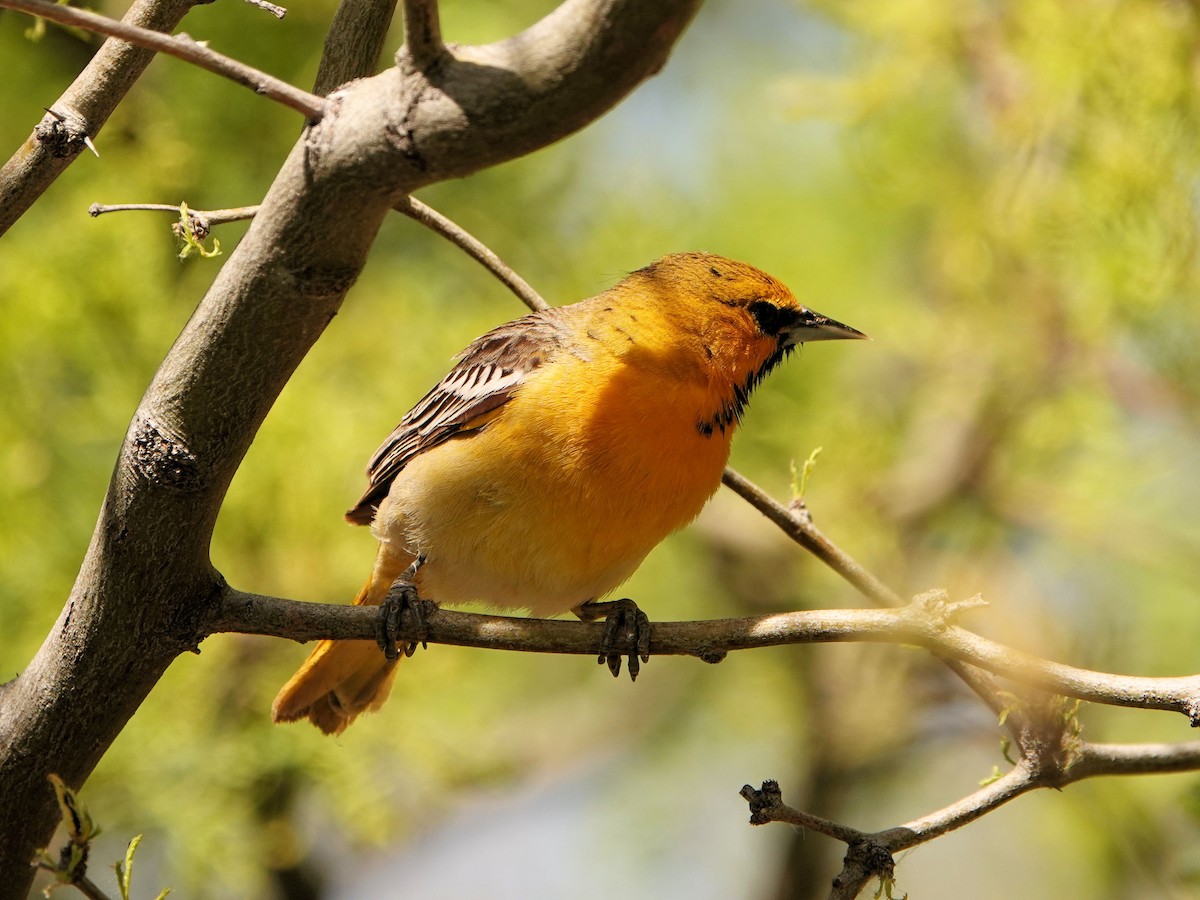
813	326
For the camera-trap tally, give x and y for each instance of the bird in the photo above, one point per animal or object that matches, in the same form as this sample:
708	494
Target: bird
558	451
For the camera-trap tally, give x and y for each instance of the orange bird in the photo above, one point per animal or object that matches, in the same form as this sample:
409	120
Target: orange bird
557	452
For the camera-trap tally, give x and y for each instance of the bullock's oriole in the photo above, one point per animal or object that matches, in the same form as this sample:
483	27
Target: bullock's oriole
559	450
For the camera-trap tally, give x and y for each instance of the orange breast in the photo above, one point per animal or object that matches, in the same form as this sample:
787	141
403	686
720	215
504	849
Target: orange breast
560	498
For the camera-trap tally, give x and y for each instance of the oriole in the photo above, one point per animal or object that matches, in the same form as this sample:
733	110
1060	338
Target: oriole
557	452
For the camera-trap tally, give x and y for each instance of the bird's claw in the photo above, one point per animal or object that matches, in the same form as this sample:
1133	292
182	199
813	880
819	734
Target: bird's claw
401	600
625	625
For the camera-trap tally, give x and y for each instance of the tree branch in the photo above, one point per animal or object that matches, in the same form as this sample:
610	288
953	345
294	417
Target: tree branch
277	11
354	43
422	32
146	588
180	46
203	219
82	110
796	522
475	248
1135	759
922	622
873	855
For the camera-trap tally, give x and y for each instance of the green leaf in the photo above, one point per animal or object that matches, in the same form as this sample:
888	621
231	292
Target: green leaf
125	872
800	477
192	241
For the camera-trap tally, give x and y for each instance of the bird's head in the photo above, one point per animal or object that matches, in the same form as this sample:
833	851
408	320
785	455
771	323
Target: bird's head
734	295
739	322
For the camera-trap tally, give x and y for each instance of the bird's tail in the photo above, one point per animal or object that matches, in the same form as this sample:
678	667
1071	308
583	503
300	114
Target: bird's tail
341	679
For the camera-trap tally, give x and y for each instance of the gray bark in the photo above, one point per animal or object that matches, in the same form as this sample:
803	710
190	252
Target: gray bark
147	591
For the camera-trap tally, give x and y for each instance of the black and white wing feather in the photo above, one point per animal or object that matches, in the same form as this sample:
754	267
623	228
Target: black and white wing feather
487	375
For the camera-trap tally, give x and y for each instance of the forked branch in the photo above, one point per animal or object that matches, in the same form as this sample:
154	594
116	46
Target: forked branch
872	855
81	111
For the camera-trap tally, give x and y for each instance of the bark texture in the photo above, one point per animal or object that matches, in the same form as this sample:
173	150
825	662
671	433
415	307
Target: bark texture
147	591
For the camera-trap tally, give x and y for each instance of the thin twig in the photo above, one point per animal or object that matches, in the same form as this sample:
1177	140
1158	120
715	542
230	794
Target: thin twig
180	46
410	206
90	889
277	11
1135	759
208	217
797	524
766	805
82	883
81	111
422	32
1012	784
480	252
1090	760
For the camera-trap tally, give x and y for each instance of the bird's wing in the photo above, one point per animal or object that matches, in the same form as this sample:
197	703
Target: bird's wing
485	377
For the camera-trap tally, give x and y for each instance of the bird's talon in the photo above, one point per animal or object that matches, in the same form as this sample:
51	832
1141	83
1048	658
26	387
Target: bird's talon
614	663
400	600
625	625
642	629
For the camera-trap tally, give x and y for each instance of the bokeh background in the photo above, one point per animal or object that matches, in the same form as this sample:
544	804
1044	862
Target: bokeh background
1004	195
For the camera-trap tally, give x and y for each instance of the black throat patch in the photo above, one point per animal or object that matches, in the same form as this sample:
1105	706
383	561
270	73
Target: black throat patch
730	411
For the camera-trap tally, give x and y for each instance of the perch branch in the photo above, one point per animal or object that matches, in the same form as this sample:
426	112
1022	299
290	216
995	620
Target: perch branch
921	622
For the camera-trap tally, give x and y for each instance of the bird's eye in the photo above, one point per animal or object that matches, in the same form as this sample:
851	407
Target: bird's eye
771	319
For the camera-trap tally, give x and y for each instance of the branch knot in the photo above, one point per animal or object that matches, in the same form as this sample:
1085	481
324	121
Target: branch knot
870	858
165	459
936	607
63	133
763	801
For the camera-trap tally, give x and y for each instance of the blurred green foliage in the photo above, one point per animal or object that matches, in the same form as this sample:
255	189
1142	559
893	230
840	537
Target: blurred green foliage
1002	194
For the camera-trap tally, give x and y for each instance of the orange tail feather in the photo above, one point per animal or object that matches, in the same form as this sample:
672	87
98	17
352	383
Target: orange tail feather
342	679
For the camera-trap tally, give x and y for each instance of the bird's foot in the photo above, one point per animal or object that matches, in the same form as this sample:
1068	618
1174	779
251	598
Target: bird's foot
625	625
402	600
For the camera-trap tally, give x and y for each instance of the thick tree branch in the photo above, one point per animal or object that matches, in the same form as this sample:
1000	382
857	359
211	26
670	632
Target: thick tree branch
180	46
82	110
146	589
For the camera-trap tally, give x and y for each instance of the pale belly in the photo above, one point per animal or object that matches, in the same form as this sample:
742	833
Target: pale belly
542	511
